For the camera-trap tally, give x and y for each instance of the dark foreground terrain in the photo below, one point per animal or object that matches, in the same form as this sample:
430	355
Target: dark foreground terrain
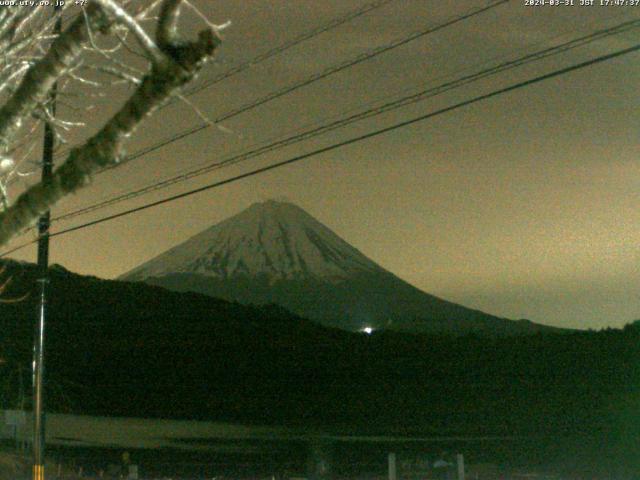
124	349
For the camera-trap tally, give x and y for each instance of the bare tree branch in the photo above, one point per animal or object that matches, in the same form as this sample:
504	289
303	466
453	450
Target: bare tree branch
180	61
40	78
167	32
4	283
148	45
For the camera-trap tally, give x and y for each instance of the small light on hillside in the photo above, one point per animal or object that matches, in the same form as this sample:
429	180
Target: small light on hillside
368	330
6	164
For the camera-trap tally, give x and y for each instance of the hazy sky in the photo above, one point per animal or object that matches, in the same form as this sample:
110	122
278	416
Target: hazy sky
524	205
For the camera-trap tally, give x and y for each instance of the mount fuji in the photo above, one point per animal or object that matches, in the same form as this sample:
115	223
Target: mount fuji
276	253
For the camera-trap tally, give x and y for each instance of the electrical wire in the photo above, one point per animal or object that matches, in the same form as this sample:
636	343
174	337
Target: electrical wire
332	70
389	106
279	49
359	138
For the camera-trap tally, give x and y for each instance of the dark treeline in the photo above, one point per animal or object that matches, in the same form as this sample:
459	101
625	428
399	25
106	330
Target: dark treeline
116	348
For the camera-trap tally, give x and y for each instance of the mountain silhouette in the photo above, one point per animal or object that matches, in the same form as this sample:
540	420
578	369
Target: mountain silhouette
276	253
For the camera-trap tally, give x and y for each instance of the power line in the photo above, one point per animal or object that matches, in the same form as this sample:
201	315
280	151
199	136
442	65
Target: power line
375	133
308	81
389	106
287	45
332	24
316	77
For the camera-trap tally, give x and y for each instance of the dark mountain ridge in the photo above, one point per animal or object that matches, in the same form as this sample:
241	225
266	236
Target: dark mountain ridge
127	333
130	349
276	253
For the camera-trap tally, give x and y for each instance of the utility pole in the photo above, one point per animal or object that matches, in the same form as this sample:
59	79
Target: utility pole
43	281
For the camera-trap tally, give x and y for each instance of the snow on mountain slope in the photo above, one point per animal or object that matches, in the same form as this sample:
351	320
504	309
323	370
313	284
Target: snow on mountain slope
273	239
276	253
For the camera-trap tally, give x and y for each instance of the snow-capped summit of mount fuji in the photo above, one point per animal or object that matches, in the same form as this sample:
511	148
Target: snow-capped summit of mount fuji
276	253
273	240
